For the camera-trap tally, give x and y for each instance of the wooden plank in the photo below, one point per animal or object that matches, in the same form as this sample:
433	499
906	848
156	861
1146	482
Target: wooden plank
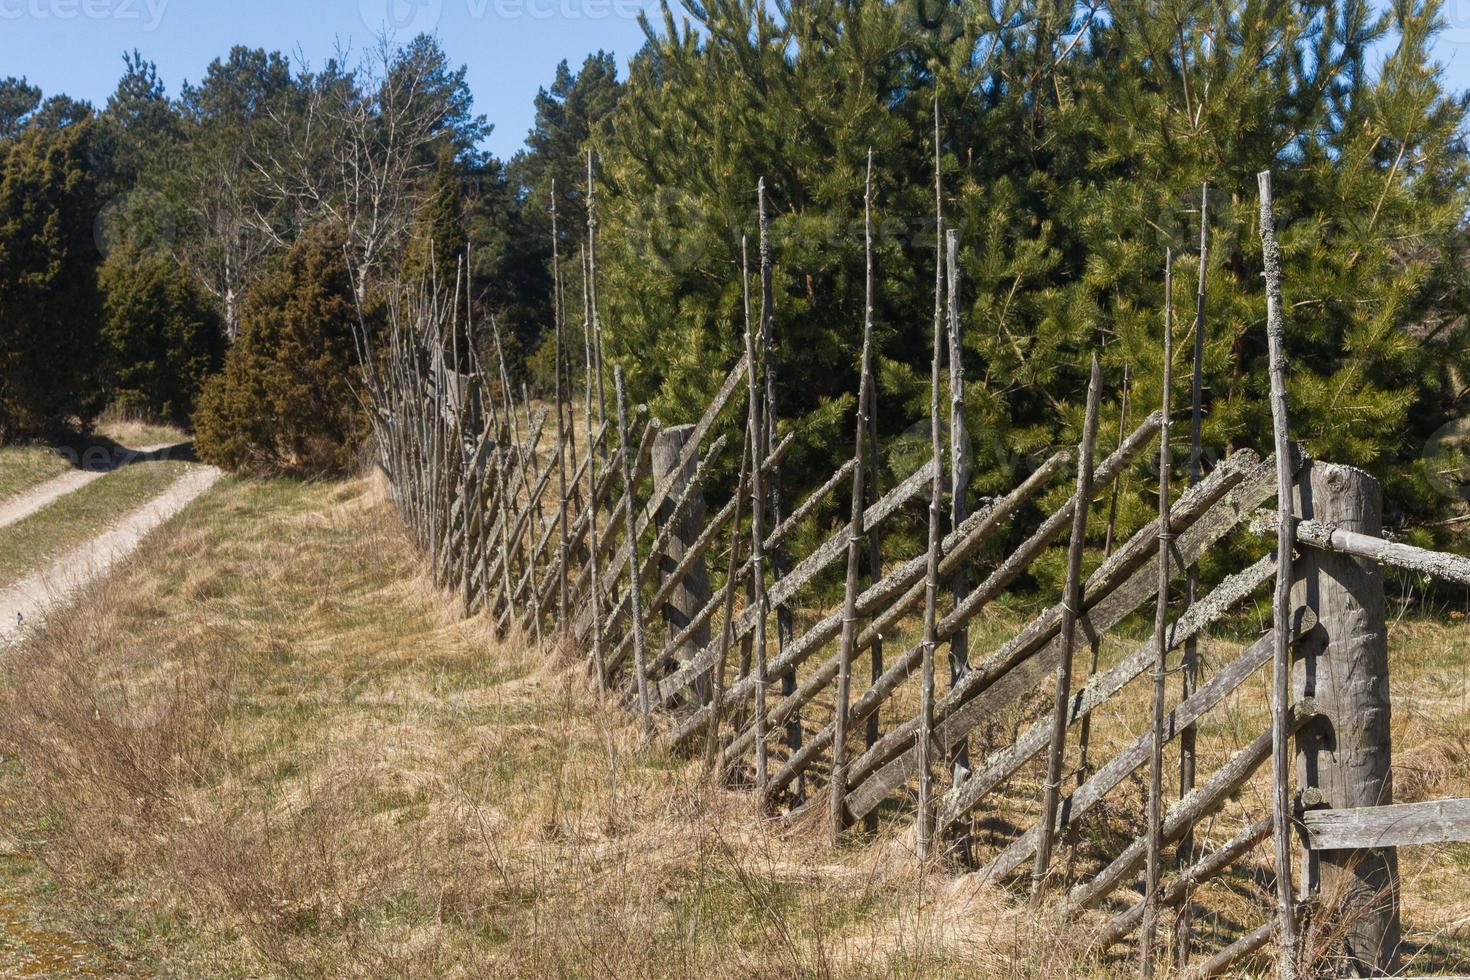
958	548
1330	537
697	550
805	571
1122	765
833	547
1222	961
1005	762
1188	811
1393	825
1177	888
688	494
1017	667
783	530
696	439
883	599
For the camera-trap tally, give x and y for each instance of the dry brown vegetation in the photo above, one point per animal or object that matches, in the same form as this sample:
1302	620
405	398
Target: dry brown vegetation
265	747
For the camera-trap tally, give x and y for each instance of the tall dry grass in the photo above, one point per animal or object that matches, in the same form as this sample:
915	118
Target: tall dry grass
267	748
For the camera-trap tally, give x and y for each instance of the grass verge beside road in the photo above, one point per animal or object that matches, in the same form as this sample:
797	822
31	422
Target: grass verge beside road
26	545
23	467
265	747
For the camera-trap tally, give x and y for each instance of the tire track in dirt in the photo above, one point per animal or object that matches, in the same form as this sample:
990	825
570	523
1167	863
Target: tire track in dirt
30	501
27	602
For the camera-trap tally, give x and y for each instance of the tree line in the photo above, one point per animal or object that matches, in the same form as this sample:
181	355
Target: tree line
205	256
1074	138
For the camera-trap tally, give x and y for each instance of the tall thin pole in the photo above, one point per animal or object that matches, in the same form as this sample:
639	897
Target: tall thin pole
1281	618
561	428
594	580
777	557
875	573
757	496
1161	644
717	695
925	823
1190	663
592	295
630	521
959	485
855	530
1071	609
1084	731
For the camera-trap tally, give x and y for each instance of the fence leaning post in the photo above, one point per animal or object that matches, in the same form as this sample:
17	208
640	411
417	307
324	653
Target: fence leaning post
757	501
1281	607
1071	609
630	531
959	486
561	427
1149	932
925	823
1347	754
854	531
1189	672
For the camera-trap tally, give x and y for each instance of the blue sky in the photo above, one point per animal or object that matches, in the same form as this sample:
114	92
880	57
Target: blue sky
509	46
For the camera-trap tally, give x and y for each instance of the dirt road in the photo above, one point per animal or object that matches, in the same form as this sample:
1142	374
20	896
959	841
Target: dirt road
27	602
20	507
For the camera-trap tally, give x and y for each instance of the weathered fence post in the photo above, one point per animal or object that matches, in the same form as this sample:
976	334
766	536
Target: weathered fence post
1347	754
691	594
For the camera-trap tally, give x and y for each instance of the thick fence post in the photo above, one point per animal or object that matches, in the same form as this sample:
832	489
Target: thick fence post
1347	754
691	594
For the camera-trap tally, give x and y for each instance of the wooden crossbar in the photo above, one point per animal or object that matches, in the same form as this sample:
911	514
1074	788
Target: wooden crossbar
1120	766
1111	593
1392	825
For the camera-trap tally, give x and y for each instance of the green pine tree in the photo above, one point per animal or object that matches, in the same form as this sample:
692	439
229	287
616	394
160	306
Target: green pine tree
50	307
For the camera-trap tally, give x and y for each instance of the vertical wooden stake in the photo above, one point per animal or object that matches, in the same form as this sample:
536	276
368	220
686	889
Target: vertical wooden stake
777	558
854	531
1189	672
959	485
1084	731
1071	609
923	831
1281	610
596	352
757	502
875	573
717	695
1149	932
561	458
691	593
630	522
599	664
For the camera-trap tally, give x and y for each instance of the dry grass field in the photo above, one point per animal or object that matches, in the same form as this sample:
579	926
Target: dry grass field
22	467
265	747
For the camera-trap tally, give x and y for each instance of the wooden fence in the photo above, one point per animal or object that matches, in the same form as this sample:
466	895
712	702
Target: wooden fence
590	529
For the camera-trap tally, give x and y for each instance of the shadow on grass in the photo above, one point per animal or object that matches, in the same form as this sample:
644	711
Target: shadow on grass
100	454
